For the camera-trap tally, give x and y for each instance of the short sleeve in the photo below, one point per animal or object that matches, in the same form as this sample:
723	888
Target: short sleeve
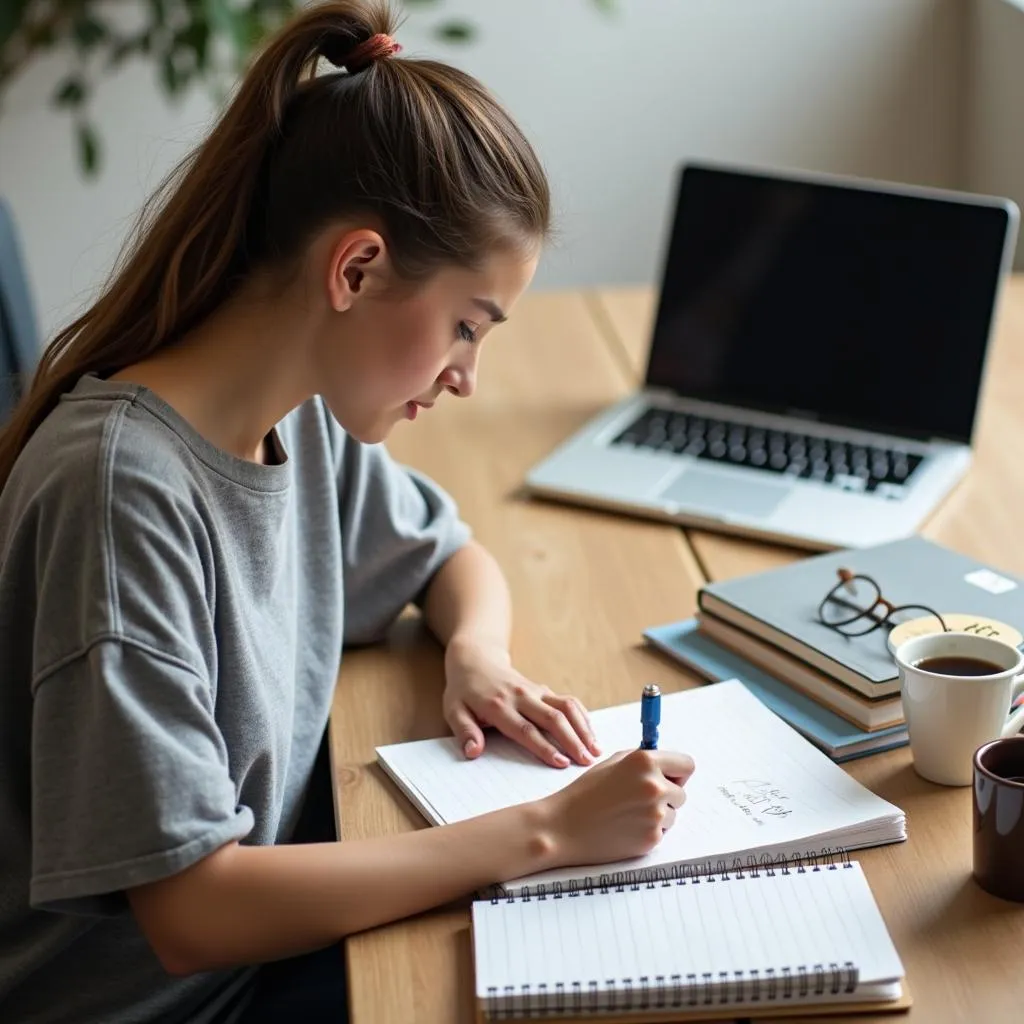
130	779
398	528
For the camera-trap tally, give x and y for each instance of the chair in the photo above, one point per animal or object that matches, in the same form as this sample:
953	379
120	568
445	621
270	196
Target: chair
20	344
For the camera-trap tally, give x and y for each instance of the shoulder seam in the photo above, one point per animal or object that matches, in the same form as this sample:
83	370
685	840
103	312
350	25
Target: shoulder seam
45	673
106	493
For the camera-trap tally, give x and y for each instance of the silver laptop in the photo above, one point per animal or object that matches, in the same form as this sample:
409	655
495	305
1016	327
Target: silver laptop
815	365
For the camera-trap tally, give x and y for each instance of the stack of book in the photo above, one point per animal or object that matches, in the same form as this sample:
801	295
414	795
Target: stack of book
841	692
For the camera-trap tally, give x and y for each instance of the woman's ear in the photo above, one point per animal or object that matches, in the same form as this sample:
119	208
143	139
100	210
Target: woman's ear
357	266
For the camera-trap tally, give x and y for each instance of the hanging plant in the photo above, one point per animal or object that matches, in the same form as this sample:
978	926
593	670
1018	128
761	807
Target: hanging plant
185	40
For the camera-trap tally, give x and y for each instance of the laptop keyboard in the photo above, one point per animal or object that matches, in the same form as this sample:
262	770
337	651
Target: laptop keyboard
854	467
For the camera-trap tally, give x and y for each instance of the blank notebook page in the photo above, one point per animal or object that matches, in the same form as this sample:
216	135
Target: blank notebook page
746	927
758	783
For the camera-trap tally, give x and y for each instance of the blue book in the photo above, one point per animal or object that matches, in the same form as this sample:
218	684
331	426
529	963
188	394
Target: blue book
837	737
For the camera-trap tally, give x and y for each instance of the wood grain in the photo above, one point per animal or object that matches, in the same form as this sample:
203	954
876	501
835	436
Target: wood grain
982	516
585	585
626	316
958	944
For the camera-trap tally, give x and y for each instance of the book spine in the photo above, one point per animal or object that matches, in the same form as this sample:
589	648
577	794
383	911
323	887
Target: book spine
793	671
870	688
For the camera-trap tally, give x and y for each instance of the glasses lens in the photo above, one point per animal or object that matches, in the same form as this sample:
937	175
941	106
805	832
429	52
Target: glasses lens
849	601
908	614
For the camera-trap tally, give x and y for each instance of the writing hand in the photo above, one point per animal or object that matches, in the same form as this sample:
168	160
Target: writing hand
484	689
619	809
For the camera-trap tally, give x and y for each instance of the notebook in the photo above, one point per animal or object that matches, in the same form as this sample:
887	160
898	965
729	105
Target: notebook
779	941
837	737
760	790
780	605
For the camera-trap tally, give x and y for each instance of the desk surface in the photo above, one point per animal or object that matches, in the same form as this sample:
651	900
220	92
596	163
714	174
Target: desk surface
585	585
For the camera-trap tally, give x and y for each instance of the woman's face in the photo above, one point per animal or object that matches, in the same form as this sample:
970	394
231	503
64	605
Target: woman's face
397	351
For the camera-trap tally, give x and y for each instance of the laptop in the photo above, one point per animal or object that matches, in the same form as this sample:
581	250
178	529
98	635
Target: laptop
815	365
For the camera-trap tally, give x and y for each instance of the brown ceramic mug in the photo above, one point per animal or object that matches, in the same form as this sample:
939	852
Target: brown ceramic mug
999	817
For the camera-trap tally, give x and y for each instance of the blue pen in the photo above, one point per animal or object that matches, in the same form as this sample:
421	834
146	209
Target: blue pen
650	716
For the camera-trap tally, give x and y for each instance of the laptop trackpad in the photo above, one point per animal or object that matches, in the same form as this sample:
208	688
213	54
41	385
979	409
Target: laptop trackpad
725	494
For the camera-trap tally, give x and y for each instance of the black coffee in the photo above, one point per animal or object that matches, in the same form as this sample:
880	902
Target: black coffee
957	665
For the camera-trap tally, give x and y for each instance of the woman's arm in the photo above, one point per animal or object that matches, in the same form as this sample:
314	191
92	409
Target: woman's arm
249	904
467	606
468	602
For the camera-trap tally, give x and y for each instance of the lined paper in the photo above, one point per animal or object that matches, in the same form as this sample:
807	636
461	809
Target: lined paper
759	786
755	923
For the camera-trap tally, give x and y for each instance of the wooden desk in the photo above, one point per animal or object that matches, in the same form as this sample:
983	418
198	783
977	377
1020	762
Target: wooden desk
585	585
958	944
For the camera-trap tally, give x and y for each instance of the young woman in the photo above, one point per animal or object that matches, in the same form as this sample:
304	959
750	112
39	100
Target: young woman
195	518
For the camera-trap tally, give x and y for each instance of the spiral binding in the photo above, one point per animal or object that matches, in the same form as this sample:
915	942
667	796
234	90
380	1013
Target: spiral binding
826	859
773	984
676	991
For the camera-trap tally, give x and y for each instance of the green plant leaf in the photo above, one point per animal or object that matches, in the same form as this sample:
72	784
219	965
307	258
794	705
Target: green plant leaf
87	30
41	37
11	15
88	148
195	38
276	8
605	6
455	32
255	28
230	22
126	47
169	74
71	92
158	10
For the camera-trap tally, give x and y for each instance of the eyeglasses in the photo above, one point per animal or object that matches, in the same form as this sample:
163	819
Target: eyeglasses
855	607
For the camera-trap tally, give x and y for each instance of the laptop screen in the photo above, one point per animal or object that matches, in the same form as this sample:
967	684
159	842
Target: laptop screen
858	307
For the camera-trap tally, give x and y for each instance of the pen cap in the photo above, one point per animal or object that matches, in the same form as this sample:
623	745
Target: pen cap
650	703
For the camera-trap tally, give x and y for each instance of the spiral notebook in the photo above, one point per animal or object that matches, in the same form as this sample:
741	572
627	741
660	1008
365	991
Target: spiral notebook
760	791
783	941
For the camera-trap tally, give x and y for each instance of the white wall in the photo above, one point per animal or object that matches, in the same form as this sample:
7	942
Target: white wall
859	86
613	104
995	102
71	230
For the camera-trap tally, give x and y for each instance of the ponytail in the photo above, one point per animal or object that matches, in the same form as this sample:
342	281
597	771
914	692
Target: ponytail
417	144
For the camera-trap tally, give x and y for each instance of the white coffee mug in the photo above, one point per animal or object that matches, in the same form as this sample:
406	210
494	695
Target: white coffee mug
950	716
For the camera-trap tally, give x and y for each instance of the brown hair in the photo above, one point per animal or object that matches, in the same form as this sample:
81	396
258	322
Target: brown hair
421	147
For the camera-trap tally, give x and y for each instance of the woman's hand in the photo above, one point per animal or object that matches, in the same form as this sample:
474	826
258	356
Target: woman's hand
619	809
483	689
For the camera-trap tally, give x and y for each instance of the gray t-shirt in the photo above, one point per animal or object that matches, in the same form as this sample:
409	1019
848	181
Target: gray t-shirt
171	626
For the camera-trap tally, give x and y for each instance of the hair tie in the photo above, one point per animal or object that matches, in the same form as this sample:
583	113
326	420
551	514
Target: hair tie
377	47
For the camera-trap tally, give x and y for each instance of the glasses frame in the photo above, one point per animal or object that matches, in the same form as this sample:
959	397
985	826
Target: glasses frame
846	577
